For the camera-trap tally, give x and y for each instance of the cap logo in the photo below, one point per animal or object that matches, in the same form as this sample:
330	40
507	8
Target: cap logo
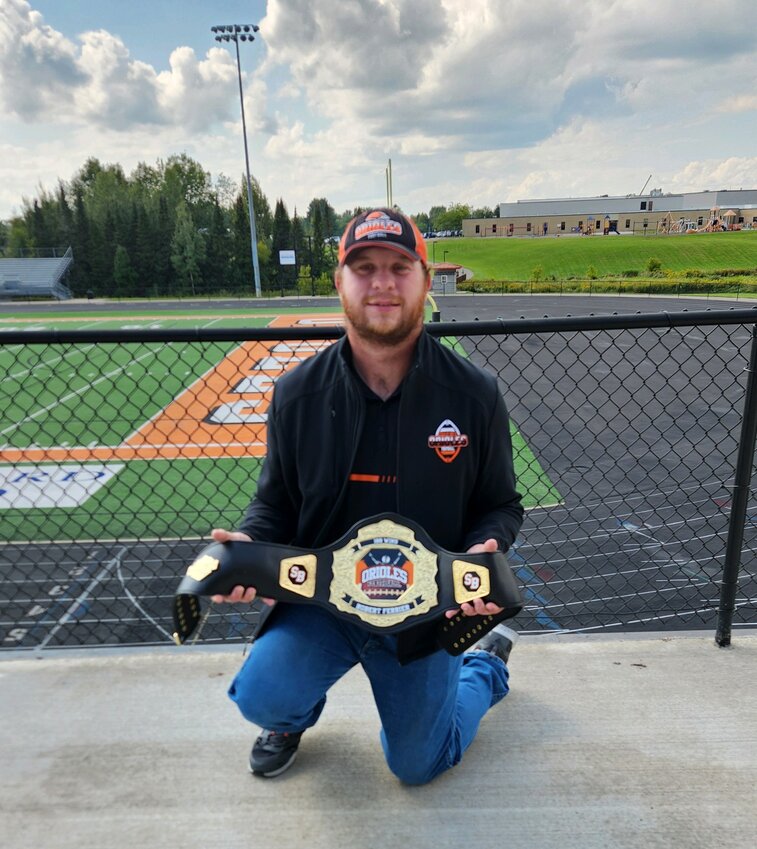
377	224
447	441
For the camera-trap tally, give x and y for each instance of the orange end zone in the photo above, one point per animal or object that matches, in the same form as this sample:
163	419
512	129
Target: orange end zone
222	414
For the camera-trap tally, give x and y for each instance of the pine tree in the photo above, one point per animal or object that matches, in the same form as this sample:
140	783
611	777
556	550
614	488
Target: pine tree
81	243
124	275
162	236
216	267
283	275
241	262
187	249
317	260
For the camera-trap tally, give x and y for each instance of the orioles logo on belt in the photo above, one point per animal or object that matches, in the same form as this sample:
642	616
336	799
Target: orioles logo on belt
447	441
384	573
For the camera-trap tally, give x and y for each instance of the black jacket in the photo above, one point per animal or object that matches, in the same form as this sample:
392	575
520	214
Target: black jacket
314	424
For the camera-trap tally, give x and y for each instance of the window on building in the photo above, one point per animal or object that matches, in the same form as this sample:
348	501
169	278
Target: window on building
650	205
494	228
643	205
510	227
580	225
741	219
528	227
700	221
628	223
478	228
562	225
444	278
597	225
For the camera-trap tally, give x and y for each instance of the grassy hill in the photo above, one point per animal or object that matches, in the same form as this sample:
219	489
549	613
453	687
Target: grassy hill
572	256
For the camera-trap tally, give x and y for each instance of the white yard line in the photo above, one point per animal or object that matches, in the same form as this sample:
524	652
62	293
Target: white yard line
59	401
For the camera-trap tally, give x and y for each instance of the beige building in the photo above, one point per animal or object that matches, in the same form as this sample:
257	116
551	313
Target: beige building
656	212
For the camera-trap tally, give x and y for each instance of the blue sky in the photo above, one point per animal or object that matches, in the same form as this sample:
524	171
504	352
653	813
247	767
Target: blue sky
476	102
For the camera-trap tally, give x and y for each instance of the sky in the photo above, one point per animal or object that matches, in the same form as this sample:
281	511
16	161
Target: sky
477	102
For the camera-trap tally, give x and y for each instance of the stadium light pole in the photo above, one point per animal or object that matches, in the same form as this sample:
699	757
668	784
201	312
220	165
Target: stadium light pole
237	33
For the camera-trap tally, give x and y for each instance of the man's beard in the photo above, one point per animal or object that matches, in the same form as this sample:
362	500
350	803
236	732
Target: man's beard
372	332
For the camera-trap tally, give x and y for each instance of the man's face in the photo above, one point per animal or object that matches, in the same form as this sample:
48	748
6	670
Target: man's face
383	294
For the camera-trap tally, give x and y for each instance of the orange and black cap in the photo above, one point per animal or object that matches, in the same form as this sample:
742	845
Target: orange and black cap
383	228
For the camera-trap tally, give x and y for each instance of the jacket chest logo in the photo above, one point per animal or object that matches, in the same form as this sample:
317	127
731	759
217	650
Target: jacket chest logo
447	441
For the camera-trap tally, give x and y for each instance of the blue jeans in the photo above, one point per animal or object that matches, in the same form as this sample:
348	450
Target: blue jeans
430	709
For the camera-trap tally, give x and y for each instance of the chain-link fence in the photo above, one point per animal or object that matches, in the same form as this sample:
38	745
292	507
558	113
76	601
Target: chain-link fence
120	450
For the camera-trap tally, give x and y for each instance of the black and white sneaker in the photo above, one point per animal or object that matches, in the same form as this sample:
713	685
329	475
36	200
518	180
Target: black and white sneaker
499	642
274	752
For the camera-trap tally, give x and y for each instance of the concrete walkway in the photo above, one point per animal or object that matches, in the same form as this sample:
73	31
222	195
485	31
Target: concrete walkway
604	743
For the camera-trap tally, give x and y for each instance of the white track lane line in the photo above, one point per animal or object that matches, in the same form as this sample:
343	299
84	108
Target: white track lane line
74	606
133	599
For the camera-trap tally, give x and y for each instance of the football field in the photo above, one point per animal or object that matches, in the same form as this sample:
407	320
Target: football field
174	432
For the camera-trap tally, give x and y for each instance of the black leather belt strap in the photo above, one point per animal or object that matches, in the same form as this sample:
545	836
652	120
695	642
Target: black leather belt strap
385	573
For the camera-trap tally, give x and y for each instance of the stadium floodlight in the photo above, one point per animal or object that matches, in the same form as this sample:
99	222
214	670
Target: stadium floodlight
233	32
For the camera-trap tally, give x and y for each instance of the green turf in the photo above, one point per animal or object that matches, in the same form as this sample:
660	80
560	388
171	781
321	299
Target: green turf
94	394
516	258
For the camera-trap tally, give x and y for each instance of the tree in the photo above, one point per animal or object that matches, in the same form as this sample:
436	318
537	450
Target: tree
452	219
65	217
19	240
422	222
240	261
298	240
317	259
81	271
281	240
434	215
145	254
215	268
162	235
124	276
263	216
187	249
327	216
186	180
484	212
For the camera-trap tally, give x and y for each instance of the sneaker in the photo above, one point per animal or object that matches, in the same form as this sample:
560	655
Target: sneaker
499	642
274	752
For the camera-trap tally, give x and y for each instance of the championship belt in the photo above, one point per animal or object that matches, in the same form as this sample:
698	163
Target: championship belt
385	573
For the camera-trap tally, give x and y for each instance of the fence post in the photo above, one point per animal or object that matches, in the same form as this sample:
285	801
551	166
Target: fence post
741	487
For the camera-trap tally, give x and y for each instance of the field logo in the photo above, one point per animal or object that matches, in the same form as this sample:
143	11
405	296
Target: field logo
27	487
447	441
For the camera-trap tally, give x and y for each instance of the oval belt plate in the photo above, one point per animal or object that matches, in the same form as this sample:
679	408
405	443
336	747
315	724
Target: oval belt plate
384	575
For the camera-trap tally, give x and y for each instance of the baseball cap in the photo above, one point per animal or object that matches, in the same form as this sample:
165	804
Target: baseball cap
383	228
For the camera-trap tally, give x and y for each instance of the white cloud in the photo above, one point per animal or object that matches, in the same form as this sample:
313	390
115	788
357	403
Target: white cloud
477	102
45	76
739	103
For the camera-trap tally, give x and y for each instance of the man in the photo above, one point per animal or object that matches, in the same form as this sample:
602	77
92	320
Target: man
350	435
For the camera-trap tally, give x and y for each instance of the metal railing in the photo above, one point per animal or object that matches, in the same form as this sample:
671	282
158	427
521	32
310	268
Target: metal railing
634	439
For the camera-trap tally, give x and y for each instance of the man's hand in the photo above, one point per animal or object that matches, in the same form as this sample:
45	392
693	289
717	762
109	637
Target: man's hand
478	607
238	594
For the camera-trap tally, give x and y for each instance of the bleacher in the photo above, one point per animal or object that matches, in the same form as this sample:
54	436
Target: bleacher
37	277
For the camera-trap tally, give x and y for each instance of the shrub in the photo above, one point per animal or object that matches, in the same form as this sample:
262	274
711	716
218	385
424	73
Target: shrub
654	266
